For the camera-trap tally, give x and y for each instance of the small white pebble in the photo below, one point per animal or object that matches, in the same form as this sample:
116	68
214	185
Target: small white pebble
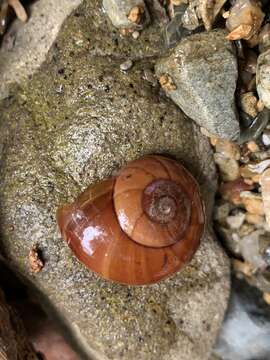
126	65
226	14
135	35
236	221
266	139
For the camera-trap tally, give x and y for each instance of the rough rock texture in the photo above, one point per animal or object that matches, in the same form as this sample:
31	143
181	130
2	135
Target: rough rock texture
263	77
32	40
204	69
79	119
119	10
246	330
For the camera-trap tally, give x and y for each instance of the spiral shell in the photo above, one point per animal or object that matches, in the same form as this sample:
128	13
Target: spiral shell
138	227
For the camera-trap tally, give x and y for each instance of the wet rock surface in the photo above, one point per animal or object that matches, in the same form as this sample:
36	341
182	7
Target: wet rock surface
246	330
77	121
203	68
25	46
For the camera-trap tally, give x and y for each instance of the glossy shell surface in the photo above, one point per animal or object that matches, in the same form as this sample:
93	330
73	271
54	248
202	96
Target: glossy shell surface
113	230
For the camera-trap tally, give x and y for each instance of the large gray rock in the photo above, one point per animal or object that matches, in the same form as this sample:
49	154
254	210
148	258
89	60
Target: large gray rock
203	68
263	77
79	119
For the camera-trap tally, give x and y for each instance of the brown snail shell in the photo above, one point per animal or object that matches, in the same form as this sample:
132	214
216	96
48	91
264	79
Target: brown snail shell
139	227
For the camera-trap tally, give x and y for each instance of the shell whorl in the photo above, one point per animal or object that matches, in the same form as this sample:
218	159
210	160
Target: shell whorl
152	208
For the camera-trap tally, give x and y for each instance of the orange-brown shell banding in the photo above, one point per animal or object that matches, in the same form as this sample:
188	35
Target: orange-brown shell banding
138	227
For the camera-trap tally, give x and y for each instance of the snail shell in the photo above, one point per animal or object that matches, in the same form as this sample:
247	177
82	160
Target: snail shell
139	227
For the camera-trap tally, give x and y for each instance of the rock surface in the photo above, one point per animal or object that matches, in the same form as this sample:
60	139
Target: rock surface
246	330
79	119
204	70
263	77
32	41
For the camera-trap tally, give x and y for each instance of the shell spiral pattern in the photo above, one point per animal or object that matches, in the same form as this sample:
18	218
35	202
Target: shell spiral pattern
138	227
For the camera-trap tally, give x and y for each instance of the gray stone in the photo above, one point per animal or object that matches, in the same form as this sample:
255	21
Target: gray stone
126	65
263	77
204	69
54	144
246	329
119	10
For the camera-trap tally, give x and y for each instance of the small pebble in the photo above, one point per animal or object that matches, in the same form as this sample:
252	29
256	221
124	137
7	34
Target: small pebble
231	190
213	140
266	297
253	204
242	266
226	14
125	66
266	138
251	248
260	105
254	219
252	146
229	168
60	89
227	148
135	34
236	221
265	184
248	103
